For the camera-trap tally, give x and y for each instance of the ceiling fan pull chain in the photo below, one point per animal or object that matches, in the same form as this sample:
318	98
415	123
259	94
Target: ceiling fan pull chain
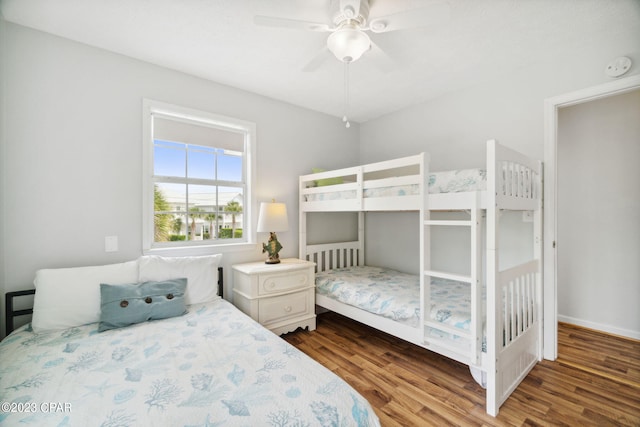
346	94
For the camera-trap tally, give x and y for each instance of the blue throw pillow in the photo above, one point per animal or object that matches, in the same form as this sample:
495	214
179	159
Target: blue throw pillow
124	305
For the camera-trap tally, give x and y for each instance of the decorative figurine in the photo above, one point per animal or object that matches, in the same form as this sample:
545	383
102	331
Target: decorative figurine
272	247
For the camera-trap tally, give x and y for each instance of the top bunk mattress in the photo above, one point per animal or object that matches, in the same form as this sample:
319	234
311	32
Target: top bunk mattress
458	181
454	181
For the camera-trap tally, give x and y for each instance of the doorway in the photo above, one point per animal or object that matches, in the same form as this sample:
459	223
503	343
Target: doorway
552	107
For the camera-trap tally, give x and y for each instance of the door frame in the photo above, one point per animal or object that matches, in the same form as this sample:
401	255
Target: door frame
551	106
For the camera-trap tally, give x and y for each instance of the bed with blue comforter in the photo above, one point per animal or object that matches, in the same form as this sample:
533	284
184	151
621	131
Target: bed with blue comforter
396	295
212	366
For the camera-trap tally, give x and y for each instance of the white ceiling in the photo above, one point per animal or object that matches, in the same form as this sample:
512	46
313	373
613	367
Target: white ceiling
218	40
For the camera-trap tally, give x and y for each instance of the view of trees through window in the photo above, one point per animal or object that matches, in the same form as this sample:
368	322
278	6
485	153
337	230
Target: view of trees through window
198	193
170	225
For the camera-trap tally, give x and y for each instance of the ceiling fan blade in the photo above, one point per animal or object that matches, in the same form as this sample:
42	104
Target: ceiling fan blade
432	15
317	60
380	59
271	21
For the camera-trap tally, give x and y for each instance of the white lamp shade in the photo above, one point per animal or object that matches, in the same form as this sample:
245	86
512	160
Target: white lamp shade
272	217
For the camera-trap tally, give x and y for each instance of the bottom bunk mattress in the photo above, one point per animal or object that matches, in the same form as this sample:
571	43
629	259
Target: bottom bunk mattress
210	366
396	295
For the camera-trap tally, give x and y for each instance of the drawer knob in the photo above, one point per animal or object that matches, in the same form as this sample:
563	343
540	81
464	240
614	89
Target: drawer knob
287	309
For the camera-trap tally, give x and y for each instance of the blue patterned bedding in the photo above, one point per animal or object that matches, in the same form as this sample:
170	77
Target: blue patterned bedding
212	366
396	295
381	291
458	181
439	182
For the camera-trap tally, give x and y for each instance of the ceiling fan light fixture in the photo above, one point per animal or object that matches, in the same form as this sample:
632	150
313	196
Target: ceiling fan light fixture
348	43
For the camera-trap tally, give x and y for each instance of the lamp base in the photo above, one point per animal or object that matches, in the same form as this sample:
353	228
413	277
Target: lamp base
272	247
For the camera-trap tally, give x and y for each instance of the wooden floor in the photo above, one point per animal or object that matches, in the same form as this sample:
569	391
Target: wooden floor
595	381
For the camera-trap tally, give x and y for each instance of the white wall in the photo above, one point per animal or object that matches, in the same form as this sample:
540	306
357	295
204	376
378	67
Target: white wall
455	127
598	214
2	169
72	150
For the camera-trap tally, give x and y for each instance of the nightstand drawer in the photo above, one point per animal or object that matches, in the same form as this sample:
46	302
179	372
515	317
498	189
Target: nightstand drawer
277	283
276	309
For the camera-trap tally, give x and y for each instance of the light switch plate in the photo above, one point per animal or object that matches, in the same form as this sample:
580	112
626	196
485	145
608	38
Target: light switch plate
111	244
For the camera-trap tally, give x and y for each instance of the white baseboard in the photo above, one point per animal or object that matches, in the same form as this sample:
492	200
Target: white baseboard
627	333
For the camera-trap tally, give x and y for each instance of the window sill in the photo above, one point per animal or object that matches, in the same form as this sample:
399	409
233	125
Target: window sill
200	249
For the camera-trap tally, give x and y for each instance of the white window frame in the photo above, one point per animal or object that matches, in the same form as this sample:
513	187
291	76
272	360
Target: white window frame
150	107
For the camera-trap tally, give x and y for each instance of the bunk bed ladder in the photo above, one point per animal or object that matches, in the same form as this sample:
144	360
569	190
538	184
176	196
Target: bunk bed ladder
474	335
425	249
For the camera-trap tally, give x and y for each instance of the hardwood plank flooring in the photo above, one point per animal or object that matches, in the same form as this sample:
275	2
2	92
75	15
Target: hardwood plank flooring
594	382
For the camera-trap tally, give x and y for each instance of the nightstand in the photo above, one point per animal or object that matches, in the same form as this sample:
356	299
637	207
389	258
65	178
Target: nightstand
281	296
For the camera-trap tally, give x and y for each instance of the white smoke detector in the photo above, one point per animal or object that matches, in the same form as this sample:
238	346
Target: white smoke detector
618	67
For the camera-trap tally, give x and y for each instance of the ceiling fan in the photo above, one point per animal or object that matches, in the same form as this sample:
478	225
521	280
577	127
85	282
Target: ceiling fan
350	21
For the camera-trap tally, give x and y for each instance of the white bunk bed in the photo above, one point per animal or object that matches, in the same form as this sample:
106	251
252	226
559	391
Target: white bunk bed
500	347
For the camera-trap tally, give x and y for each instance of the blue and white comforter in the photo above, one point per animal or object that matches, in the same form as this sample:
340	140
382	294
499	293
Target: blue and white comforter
213	366
381	291
396	295
454	181
458	181
451	303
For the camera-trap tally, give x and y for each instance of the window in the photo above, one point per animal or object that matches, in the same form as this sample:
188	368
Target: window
197	178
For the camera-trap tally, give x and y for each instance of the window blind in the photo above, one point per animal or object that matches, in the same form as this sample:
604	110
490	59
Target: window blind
177	130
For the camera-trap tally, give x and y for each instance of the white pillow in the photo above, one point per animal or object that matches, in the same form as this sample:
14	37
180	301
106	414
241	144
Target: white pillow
69	297
201	273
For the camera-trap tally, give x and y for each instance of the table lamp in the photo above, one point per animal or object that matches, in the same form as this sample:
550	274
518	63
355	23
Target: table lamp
272	218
